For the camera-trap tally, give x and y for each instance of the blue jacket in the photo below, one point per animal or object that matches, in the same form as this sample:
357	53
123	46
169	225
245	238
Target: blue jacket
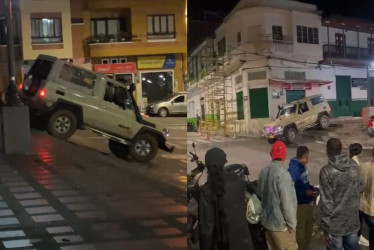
300	178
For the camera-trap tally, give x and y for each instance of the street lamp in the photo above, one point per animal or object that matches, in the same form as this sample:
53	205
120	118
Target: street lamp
11	93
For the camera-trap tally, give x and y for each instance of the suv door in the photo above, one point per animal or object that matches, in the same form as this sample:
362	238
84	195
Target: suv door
116	115
303	115
179	104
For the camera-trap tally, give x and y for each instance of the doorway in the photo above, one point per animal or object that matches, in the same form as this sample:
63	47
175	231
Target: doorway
343	95
294	95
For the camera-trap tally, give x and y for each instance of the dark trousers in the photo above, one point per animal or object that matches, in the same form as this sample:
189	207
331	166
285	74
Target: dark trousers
369	220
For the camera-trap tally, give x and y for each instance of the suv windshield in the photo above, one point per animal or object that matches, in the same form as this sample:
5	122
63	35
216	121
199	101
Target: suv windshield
289	110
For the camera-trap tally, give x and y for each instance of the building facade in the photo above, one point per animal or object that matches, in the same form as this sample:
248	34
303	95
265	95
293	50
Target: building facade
275	52
121	39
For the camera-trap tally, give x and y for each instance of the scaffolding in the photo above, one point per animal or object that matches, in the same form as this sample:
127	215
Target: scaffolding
218	95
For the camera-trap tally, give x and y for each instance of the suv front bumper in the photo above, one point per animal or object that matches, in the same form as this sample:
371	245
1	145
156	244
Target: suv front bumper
167	147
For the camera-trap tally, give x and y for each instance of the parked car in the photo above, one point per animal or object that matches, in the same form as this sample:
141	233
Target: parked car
68	97
296	116
177	104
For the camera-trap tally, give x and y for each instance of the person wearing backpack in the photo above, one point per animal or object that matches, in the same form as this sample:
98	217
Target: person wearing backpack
278	201
306	194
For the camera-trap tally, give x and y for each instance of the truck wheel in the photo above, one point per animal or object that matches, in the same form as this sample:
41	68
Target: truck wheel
144	148
163	112
62	124
291	135
323	121
119	149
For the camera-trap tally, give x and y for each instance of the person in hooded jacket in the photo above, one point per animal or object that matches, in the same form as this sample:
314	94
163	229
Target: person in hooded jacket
340	198
222	214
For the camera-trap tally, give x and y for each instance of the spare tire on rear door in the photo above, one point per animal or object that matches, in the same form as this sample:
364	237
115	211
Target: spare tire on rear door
144	148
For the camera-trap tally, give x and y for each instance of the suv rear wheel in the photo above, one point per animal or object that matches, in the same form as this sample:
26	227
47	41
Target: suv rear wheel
291	134
323	121
144	148
62	124
119	149
163	112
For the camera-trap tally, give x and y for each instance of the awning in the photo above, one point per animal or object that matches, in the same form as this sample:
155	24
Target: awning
298	84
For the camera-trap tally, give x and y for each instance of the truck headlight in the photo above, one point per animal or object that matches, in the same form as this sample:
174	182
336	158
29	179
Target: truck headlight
166	132
278	129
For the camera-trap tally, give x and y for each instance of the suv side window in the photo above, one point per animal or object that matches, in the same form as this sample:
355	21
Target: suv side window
303	108
78	76
179	99
317	100
117	95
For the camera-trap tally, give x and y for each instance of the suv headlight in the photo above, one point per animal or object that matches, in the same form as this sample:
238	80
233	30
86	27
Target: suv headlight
166	132
278	129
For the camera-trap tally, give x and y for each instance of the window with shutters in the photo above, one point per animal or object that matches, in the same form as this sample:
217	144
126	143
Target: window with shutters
161	27
294	75
257	75
307	35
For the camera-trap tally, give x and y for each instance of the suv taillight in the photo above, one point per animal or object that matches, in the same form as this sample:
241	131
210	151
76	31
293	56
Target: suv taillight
20	86
42	93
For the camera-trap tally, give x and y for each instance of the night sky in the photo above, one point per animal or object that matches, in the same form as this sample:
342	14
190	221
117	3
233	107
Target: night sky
355	8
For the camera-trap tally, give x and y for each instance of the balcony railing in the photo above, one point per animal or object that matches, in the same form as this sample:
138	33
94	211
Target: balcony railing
110	39
348	52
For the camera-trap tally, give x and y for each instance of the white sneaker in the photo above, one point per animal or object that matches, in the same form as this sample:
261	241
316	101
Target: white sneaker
363	241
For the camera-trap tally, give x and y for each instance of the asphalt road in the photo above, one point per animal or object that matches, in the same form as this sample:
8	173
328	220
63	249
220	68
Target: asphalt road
76	195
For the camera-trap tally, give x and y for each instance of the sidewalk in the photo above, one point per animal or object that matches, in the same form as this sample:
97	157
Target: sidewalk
50	201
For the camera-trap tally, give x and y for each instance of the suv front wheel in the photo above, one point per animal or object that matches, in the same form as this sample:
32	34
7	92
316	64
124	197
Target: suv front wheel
144	148
324	121
62	124
290	135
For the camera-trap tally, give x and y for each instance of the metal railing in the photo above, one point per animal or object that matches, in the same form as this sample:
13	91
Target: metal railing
348	52
110	38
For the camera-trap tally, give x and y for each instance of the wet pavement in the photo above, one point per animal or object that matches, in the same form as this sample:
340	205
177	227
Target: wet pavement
68	196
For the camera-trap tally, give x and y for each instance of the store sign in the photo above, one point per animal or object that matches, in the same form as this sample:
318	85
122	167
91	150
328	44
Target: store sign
297	86
156	62
115	68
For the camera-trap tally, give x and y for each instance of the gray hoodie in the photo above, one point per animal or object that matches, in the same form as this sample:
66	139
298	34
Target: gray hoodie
340	196
278	198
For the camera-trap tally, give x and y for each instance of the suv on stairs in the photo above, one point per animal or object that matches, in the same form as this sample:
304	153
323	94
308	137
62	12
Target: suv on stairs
68	97
296	116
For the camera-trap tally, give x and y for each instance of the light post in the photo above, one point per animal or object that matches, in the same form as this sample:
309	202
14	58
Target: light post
11	93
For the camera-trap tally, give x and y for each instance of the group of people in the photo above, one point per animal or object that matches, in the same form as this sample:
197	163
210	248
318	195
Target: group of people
346	190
